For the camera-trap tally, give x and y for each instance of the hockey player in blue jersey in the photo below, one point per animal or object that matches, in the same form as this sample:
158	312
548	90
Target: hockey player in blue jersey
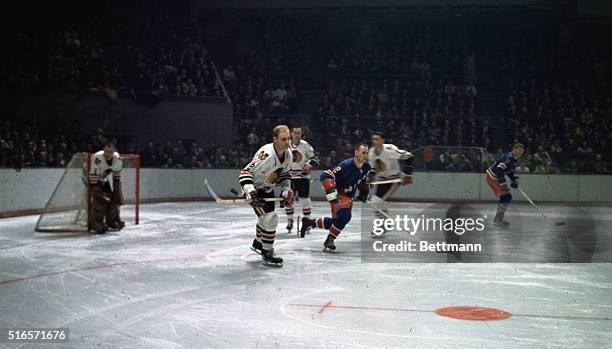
496	179
340	184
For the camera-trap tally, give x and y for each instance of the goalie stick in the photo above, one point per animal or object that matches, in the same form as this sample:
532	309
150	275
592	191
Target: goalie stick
219	200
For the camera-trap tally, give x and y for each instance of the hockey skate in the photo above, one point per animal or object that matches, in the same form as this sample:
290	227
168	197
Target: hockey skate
307	224
116	226
289	226
98	228
328	245
499	220
257	247
270	260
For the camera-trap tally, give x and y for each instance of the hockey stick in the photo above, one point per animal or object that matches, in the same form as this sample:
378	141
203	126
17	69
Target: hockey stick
387	181
390	192
219	200
537	208
378	209
310	180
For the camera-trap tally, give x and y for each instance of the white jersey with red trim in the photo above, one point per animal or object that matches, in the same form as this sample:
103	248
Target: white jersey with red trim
386	164
100	169
302	154
267	170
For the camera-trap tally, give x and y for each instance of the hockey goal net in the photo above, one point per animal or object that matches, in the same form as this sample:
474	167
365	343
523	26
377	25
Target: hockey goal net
68	207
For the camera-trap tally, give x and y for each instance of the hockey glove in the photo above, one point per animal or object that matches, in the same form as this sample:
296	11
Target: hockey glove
250	194
406	179
331	194
97	194
306	169
363	196
371	177
287	195
514	184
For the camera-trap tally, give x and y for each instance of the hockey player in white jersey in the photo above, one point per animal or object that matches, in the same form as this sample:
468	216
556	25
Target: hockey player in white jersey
270	167
105	199
303	161
390	164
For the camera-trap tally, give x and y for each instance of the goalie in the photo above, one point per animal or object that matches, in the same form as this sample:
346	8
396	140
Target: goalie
391	165
106	198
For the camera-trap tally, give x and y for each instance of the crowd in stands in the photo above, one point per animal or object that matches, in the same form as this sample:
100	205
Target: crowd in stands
267	80
412	48
149	55
415	81
30	145
557	100
400	99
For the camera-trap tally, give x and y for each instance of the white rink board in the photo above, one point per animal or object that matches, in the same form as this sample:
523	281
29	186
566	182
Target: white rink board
30	188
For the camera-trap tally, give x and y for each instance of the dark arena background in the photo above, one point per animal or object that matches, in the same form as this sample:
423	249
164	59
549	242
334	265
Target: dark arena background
150	199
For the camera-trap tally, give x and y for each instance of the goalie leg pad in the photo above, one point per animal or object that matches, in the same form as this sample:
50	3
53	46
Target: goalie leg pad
117	196
98	211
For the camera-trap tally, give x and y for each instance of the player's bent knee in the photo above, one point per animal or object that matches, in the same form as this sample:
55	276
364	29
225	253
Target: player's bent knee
343	216
268	221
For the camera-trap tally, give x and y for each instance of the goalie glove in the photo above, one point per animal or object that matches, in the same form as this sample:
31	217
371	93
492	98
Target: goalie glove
287	195
117	193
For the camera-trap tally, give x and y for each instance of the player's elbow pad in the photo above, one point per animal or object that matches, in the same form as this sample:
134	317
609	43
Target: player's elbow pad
329	185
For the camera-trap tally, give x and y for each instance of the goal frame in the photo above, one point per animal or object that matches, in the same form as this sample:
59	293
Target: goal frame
86	166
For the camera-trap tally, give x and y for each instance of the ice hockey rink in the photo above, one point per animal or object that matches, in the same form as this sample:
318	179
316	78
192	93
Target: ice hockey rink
186	278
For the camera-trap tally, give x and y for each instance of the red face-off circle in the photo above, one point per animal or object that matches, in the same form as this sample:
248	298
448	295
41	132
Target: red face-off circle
474	313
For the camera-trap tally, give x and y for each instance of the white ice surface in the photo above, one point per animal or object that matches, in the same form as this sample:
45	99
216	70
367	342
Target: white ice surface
186	278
